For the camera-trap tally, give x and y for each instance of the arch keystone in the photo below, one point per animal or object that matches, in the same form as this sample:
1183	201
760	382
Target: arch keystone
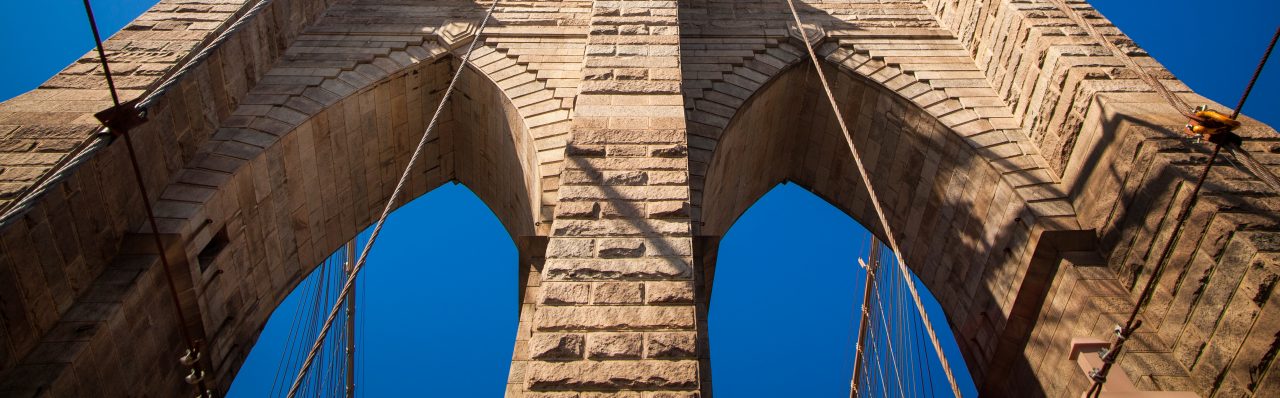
453	34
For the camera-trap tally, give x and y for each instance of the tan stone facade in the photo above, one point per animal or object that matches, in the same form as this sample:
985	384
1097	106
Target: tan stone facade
1032	179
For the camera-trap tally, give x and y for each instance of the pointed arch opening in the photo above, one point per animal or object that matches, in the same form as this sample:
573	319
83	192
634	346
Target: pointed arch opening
963	230
789	291
442	312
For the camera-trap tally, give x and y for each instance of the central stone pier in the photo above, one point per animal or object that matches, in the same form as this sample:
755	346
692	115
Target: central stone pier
615	313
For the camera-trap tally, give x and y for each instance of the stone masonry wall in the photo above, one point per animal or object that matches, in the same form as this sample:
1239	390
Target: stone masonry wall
1033	180
59	247
616	311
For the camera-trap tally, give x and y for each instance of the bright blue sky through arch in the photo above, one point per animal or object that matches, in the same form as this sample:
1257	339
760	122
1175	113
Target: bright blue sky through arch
474	274
438	303
786	295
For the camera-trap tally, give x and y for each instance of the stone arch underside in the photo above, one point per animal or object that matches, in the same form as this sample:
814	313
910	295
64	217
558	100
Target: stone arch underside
1074	136
303	162
1071	133
962	228
275	212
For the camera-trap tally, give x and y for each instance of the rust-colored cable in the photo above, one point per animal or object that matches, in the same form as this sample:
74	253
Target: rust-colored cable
192	347
391	200
1256	72
1132	323
875	201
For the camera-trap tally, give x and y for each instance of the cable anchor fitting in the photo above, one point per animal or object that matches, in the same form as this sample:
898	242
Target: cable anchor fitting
195	377
190	358
122	118
1212	126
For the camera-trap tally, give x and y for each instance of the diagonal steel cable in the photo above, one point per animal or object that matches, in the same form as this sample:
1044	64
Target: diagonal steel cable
875	200
386	210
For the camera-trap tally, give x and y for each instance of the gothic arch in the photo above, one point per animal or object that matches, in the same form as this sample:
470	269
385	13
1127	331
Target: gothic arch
334	171
304	163
964	227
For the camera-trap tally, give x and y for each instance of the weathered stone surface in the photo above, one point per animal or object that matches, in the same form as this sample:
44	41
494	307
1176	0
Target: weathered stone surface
668	292
624	132
592	375
637	268
566	293
618	293
668	209
556	346
602	346
671	345
622	228
620	248
614	318
626	178
571	248
568	210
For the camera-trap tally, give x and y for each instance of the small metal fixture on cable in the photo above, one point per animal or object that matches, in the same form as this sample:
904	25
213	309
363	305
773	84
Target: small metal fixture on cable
1216	128
1204	124
119	120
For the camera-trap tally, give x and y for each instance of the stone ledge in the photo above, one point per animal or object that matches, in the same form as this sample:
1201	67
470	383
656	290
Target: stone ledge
613	375
616	318
609	269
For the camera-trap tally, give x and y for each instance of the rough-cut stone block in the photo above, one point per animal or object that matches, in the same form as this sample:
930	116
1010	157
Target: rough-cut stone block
612	375
556	346
566	293
671	345
668	177
620	248
632	227
568	248
569	210
668	209
614	346
668	292
631	268
614	318
625	177
618	293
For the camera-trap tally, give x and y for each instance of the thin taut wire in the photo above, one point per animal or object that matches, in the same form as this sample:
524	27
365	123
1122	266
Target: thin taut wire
391	200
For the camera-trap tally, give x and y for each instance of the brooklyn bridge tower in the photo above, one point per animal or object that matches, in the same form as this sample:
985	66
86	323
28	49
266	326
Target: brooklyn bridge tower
1025	166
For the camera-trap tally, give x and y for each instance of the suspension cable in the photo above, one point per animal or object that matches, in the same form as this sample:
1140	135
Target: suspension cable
1252	165
1256	73
80	154
192	358
888	337
1152	81
391	200
873	263
149	98
1132	323
875	201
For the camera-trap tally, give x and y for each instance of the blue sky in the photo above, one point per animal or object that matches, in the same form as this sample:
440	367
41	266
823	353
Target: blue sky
438	301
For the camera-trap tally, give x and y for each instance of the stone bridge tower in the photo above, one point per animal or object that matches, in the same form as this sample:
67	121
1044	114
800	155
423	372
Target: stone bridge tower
1032	178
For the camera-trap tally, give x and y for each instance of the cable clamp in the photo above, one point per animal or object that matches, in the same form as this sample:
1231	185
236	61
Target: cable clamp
1097	376
122	118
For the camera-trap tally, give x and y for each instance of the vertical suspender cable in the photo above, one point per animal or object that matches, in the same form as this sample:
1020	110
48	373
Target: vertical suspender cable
1099	376
875	201
193	350
1132	323
391	200
873	262
350	298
